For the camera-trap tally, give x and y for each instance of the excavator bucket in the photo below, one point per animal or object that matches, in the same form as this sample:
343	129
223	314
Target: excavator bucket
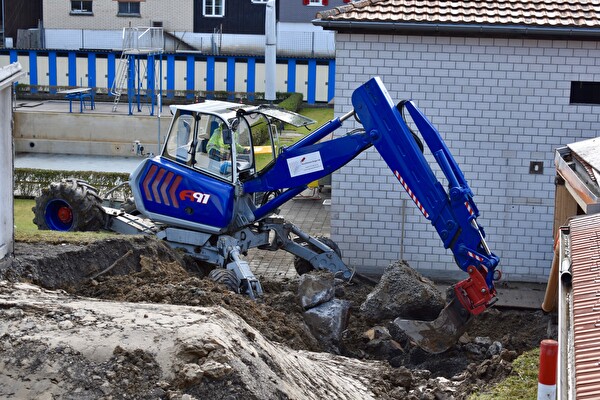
442	333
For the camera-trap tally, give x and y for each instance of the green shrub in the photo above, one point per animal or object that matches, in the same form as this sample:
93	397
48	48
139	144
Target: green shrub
293	102
260	132
29	182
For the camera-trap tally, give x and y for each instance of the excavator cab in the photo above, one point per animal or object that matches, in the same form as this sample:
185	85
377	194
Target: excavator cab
211	149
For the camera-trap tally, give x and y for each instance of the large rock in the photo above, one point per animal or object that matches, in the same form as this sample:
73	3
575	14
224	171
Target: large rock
315	289
403	292
328	321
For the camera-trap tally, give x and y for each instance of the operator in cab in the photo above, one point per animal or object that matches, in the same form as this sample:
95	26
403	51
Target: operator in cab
220	153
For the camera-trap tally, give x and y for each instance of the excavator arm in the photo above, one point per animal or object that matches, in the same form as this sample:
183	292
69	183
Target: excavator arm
451	211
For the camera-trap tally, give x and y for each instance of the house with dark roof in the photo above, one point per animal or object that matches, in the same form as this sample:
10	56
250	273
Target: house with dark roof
210	26
505	82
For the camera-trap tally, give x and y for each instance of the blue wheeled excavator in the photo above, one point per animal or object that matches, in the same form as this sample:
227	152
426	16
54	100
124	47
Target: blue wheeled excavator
215	189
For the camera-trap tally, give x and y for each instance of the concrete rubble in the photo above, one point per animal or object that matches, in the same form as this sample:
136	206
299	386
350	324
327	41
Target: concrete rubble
326	316
403	292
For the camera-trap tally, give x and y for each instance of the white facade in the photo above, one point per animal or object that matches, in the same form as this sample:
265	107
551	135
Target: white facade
102	29
499	105
290	41
104	16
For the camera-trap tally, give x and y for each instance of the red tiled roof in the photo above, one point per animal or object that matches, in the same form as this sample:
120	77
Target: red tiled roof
585	269
547	13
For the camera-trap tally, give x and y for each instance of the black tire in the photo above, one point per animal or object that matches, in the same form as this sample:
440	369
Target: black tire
303	266
226	277
197	267
69	205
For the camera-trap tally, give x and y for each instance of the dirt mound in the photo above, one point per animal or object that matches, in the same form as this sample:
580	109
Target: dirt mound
144	270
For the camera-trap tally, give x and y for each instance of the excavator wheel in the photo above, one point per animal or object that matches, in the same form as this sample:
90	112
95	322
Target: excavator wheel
69	205
303	266
226	277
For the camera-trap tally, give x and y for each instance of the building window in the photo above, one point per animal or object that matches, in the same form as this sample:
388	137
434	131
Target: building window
129	8
315	2
81	7
214	8
585	93
260	1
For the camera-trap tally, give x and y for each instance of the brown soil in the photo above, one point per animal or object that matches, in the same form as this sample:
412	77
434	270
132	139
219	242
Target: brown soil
145	270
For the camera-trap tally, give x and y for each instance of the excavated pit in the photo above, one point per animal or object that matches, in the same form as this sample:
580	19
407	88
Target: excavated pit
144	270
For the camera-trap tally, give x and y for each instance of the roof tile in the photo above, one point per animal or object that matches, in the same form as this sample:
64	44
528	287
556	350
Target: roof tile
577	13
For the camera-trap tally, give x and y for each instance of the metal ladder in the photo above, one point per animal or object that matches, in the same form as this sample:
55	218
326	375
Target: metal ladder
120	82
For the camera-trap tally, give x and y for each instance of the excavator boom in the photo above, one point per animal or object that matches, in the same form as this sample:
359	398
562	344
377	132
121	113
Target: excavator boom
451	211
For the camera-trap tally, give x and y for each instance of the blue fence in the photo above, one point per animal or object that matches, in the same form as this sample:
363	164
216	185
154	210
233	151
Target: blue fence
315	78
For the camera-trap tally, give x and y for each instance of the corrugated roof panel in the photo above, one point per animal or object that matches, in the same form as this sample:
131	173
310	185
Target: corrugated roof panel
585	269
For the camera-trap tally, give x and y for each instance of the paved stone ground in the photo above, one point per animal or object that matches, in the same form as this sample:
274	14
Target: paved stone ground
307	212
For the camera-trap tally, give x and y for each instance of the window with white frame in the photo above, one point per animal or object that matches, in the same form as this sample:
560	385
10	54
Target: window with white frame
213	8
315	2
260	1
81	7
129	8
319	2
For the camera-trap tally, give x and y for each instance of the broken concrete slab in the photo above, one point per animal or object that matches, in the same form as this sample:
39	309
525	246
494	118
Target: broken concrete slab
328	321
315	289
403	292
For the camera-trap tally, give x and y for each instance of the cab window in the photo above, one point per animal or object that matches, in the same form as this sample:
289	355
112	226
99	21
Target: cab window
213	154
265	140
180	139
243	148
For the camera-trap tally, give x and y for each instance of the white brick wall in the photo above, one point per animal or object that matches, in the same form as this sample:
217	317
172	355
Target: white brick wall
181	17
499	104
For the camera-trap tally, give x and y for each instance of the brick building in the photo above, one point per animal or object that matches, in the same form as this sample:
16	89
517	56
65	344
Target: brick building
505	83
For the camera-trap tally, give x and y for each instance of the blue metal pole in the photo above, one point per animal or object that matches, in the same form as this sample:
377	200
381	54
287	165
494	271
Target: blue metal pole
110	70
331	81
312	81
251	79
33	71
131	82
190	76
210	76
291	76
72	68
230	78
52	71
138	86
151	82
92	70
170	76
